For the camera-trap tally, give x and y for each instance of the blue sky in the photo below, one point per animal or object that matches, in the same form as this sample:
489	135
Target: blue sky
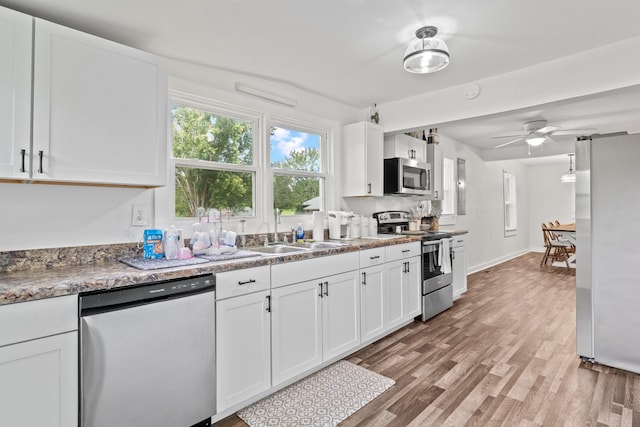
284	141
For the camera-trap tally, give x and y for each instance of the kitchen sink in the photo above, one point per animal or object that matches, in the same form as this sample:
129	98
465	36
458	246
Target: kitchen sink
277	249
320	245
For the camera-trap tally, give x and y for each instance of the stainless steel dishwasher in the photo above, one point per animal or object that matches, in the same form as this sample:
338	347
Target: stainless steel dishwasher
147	355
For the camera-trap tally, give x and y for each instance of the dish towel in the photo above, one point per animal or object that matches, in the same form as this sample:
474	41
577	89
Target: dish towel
445	256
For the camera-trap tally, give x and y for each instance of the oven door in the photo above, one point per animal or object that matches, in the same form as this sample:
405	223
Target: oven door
431	259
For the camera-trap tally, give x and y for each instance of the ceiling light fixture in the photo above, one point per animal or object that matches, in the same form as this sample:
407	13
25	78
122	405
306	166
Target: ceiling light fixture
571	176
535	139
428	54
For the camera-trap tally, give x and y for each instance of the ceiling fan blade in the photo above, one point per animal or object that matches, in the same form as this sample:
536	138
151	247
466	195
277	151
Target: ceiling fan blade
587	131
507	143
508	136
548	129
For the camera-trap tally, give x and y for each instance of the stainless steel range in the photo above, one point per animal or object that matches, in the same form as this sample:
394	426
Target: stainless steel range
437	275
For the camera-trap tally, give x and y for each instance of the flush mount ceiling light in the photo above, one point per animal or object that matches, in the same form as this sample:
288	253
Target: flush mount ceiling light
428	54
571	176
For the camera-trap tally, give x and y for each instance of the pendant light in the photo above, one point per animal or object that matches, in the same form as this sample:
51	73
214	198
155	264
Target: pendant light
571	176
427	55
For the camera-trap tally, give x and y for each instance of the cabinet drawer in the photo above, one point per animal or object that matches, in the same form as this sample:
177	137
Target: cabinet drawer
402	251
241	282
310	269
458	241
370	257
36	319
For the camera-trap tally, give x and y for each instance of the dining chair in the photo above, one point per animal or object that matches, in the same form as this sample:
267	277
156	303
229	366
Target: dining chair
547	245
559	248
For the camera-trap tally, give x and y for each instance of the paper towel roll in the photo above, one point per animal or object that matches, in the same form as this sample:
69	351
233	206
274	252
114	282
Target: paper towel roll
318	226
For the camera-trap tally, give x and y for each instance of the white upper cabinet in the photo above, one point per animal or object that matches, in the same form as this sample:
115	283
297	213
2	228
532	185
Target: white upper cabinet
15	94
434	156
362	161
405	146
99	110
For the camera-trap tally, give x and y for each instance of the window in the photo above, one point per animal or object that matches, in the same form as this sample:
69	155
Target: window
510	208
448	187
213	154
297	162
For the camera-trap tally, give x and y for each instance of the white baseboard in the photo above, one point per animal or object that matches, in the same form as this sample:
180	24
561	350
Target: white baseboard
496	261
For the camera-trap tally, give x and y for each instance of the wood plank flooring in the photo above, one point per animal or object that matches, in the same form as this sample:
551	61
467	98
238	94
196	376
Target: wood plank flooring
504	355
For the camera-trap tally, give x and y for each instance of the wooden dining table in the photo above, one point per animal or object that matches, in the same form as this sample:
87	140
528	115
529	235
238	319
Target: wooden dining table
567	232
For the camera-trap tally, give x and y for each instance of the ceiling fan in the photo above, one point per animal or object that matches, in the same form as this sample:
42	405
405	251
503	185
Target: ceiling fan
538	131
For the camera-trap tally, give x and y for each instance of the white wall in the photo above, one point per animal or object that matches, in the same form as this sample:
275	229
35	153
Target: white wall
35	216
549	200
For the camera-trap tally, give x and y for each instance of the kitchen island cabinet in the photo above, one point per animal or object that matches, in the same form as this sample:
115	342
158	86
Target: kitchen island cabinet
362	172
39	363
15	94
243	335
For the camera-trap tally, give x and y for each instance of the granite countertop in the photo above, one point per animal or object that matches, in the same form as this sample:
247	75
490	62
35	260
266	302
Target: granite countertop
50	273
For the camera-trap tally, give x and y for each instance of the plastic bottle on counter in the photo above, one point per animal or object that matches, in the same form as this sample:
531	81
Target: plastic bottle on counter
299	232
171	238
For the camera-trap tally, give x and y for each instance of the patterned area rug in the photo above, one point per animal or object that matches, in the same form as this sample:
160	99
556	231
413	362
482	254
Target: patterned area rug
322	399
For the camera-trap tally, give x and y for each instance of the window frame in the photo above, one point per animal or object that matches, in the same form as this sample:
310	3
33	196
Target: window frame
182	99
510	200
322	175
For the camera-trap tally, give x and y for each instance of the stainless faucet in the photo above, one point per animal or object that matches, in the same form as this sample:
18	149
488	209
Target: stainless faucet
275	226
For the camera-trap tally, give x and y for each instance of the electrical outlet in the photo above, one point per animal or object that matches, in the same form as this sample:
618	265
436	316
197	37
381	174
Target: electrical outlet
140	215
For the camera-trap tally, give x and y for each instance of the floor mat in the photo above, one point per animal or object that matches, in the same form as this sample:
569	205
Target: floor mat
322	399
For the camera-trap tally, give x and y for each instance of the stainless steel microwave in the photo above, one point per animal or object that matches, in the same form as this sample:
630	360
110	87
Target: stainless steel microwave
407	177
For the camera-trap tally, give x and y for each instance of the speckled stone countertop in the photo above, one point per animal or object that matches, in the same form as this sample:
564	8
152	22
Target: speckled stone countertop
45	273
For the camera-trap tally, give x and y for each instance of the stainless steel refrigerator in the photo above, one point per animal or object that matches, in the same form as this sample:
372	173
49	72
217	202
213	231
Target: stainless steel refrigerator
607	249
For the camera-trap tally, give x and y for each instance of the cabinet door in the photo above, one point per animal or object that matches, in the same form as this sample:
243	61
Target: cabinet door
15	94
372	302
434	157
99	110
459	270
340	314
296	321
412	288
243	348
39	384
394	295
362	160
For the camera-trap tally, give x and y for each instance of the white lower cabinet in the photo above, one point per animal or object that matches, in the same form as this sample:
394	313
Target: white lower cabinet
43	379
412	292
297	329
372	302
459	267
313	321
243	344
394	298
39	363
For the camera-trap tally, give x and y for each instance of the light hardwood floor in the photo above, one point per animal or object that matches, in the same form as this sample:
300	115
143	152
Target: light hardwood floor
504	355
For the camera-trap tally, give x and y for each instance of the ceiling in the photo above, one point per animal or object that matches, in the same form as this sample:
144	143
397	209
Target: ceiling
351	50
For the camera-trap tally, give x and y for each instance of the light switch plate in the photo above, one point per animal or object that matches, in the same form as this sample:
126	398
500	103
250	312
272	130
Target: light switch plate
140	215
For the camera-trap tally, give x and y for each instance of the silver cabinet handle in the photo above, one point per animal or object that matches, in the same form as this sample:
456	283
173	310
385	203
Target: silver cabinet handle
269	303
364	278
320	294
369	188
404	251
374	257
326	289
246	282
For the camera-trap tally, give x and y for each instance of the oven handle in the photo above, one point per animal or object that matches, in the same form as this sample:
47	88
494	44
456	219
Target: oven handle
431	242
